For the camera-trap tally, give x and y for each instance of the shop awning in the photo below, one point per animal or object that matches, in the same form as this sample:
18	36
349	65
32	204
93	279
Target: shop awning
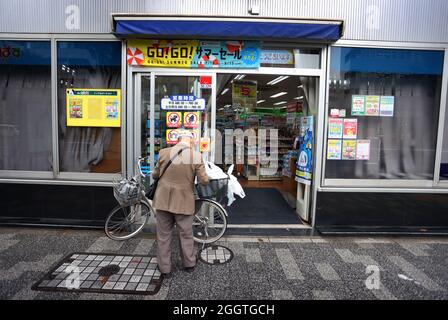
235	28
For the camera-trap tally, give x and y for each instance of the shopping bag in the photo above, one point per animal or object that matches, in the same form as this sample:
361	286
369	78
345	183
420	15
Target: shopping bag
234	187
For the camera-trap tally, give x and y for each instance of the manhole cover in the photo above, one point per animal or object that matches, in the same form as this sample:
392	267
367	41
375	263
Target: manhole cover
215	255
103	273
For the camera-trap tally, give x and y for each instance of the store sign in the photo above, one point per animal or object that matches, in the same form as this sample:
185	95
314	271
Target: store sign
194	54
244	94
277	57
304	170
205	82
93	107
182	102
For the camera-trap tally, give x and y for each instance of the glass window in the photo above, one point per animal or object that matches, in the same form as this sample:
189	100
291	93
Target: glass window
89	65
383	113
25	106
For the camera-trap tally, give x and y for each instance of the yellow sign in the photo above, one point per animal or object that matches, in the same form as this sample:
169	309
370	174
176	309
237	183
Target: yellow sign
173	119
93	107
162	53
191	119
205	145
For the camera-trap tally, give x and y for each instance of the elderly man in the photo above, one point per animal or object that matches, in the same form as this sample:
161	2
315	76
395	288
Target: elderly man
174	200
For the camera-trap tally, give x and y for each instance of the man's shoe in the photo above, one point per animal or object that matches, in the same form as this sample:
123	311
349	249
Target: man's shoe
189	269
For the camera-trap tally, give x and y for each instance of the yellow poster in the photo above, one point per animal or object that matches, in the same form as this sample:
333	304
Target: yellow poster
161	53
93	107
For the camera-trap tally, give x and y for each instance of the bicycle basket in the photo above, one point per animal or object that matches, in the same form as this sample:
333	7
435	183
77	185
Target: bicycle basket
216	189
127	191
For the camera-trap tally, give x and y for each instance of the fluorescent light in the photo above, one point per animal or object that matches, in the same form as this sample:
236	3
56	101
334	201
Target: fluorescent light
279	103
224	91
301	86
220	109
260	101
278	94
283	108
299	98
277	80
239	77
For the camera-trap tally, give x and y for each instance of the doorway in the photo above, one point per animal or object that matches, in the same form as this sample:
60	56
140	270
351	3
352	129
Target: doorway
276	103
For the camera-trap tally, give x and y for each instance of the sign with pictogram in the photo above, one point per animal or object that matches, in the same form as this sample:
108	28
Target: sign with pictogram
191	119
173	119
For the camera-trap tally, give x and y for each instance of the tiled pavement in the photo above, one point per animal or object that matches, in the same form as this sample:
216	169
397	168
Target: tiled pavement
262	268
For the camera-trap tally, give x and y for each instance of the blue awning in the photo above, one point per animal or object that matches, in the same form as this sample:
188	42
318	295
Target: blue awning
200	28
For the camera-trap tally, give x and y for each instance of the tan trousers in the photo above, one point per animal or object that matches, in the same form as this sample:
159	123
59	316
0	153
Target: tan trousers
165	225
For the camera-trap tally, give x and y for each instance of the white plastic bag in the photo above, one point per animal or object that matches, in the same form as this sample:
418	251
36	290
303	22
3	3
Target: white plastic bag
213	171
233	187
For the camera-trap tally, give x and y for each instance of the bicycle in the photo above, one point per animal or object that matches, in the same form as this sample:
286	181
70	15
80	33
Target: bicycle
129	218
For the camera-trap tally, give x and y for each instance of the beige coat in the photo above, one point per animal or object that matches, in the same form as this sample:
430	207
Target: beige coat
175	189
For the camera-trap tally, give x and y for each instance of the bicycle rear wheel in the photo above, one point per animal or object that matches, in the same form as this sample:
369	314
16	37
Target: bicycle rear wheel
210	221
125	222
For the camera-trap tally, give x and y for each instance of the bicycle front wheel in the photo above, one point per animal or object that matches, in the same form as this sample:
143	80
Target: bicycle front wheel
210	221
125	222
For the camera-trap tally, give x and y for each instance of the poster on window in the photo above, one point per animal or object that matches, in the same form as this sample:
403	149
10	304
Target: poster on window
350	129
191	119
349	150
334	149
363	150
335	128
173	119
197	54
93	107
373	106
387	106
182	102
304	169
196	135
358	105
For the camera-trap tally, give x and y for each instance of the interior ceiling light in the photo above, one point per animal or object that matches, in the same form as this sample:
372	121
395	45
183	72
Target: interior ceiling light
224	91
279	103
277	80
299	98
278	94
239	77
260	101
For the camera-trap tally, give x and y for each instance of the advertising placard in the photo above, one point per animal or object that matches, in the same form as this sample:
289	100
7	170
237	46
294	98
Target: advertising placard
244	94
372	106
182	102
363	150
277	56
93	107
205	145
200	54
349	150
191	119
304	170
387	106
335	128
334	149
173	119
358	105
350	128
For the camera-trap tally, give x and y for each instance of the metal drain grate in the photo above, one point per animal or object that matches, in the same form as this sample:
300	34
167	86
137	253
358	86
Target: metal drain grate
215	255
103	273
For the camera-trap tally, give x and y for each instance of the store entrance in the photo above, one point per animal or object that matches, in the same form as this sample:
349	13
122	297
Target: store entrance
276	112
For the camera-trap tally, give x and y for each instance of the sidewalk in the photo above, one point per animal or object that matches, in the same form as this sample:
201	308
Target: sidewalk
262	268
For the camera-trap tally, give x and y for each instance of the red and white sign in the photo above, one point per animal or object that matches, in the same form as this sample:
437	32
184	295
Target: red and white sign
191	119
173	119
134	56
205	82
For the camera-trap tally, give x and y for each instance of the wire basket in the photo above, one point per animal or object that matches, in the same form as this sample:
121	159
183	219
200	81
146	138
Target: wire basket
215	189
127	191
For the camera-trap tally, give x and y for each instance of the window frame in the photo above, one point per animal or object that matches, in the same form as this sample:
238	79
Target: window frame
55	176
369	184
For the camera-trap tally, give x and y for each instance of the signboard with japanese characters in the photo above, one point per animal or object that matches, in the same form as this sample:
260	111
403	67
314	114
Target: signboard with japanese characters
182	102
197	54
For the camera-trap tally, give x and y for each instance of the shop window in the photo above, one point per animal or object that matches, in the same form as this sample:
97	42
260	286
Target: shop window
25	106
383	113
89	110
305	58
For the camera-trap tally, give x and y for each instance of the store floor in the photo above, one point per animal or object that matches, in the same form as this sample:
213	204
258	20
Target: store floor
265	203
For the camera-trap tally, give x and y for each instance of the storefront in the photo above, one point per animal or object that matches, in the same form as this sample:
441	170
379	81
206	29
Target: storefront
325	133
